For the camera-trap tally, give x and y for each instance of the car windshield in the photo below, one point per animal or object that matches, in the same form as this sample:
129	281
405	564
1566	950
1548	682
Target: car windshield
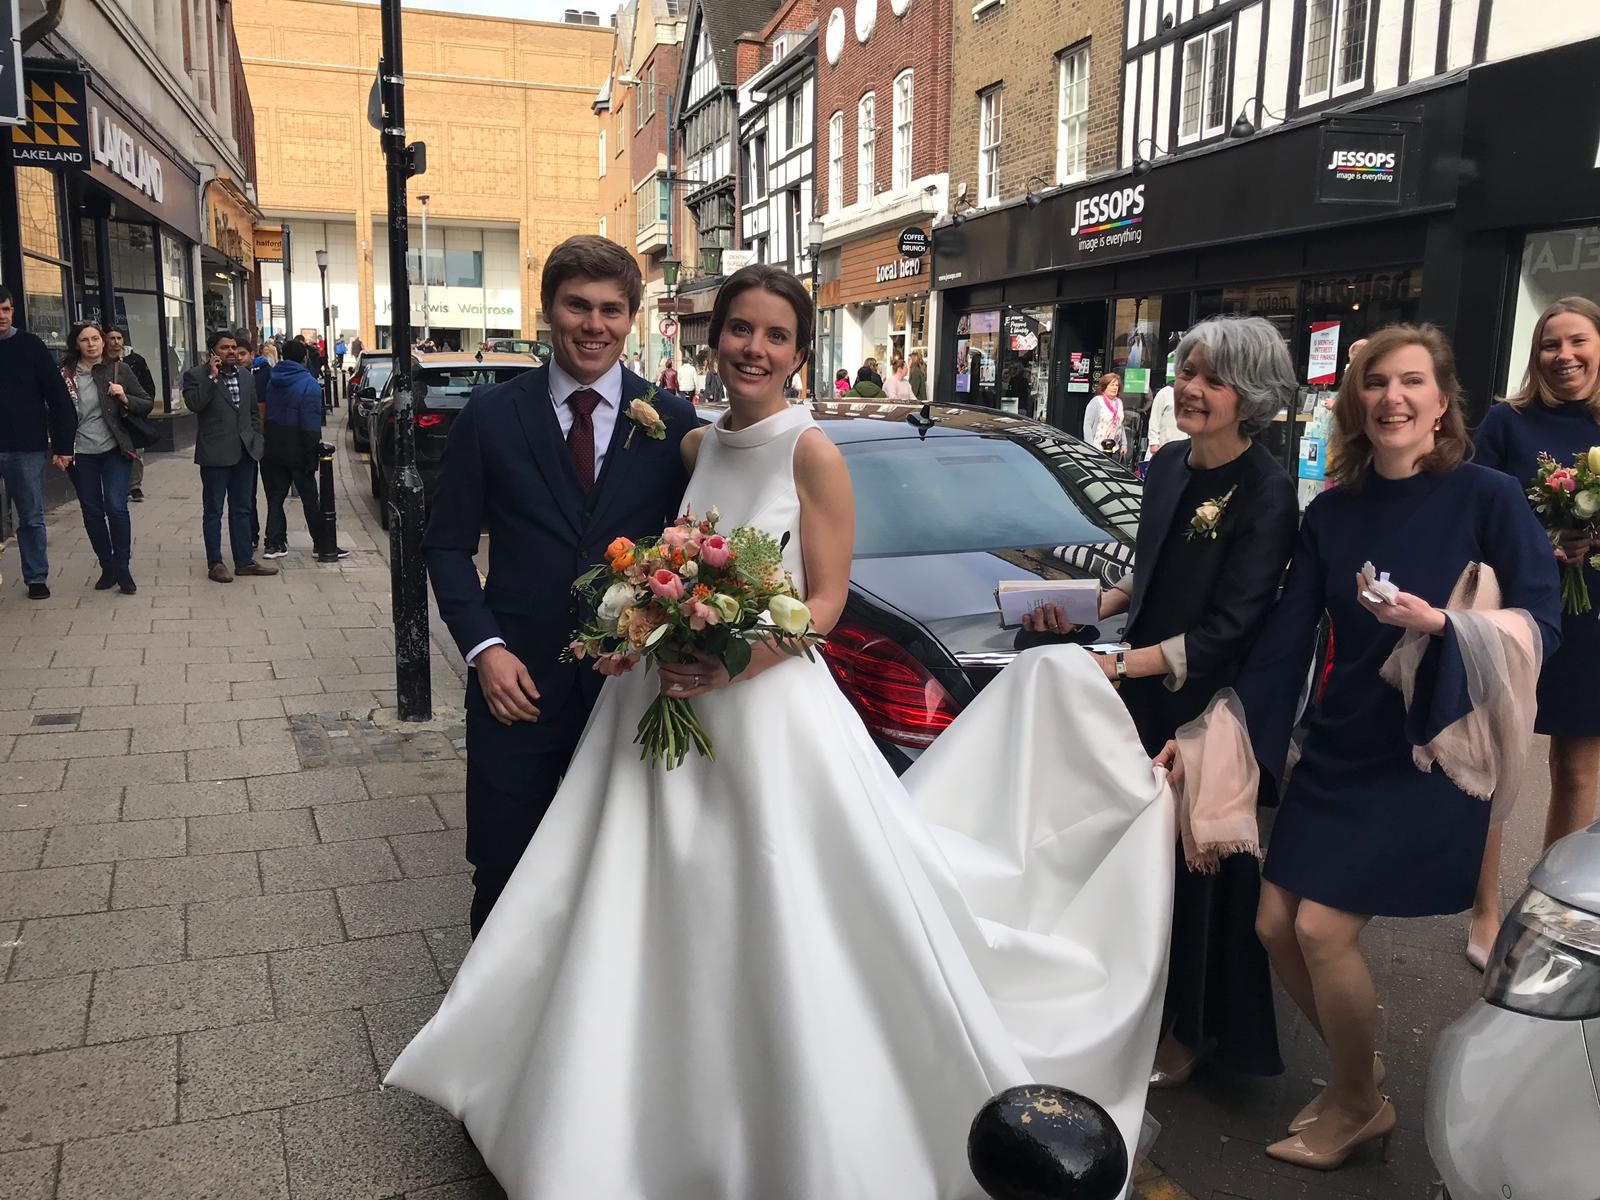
449	387
376	373
955	495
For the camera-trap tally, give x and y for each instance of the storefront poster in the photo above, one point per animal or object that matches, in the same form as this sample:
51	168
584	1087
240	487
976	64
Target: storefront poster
963	366
1313	458
1136	381
1078	373
1323	361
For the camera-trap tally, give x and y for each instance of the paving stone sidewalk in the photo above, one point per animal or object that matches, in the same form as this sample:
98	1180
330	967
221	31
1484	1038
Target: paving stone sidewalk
228	894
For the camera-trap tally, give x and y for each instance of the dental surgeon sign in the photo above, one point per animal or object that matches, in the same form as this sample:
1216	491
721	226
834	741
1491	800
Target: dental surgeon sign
1112	218
1360	167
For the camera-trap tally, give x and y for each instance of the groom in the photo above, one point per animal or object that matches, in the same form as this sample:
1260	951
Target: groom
554	467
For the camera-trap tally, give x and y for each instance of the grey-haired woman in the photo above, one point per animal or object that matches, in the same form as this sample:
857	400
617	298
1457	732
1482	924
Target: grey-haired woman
1216	529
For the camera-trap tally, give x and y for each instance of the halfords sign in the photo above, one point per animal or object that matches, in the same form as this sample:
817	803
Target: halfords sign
1113	218
130	160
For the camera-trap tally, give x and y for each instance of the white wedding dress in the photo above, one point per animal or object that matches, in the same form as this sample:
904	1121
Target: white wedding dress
789	975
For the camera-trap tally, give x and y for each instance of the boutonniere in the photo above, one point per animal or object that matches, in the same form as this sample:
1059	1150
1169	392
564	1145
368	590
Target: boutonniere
642	415
1208	516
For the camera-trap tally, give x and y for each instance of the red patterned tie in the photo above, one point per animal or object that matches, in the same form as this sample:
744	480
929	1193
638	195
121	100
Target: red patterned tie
580	440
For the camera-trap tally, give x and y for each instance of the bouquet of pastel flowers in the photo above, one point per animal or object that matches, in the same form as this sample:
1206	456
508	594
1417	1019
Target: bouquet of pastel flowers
1566	500
690	593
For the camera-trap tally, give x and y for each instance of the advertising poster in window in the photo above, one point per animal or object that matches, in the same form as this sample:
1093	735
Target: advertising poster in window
1322	369
1078	373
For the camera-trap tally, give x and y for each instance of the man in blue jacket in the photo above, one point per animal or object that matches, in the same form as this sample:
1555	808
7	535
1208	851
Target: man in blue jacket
37	419
293	432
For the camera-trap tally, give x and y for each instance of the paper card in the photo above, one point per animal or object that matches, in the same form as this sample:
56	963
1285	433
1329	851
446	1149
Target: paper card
1078	598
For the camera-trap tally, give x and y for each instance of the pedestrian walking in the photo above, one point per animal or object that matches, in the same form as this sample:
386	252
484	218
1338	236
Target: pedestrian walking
37	423
356	348
1103	418
293	435
1195	605
667	377
227	446
339	349
899	385
711	389
1361	831
118	350
917	375
869	374
103	391
1556	412
689	380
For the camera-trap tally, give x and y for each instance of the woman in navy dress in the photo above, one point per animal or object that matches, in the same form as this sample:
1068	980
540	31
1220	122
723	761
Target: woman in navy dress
1361	831
1557	412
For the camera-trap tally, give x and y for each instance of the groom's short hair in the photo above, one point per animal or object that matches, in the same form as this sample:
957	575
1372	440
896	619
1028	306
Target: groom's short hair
588	256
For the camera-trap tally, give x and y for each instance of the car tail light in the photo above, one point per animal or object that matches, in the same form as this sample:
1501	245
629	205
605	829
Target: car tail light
1546	962
429	420
897	697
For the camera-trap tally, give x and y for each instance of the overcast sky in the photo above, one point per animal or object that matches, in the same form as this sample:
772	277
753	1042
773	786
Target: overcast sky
532	10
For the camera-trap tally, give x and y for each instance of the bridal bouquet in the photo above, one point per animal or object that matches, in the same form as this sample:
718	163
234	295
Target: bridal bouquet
689	593
1567	500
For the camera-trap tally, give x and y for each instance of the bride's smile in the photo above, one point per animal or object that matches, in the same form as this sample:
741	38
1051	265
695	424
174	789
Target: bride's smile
759	351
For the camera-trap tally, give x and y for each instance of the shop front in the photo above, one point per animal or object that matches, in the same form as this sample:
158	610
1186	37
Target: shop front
876	303
1041	304
227	259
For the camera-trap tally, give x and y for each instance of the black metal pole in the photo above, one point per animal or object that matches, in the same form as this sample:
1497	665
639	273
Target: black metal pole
409	581
327	538
288	282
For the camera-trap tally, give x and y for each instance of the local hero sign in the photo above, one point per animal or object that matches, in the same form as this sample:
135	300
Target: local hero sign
900	268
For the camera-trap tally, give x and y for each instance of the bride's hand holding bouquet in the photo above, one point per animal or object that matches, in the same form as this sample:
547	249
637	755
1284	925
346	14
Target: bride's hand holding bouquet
696	603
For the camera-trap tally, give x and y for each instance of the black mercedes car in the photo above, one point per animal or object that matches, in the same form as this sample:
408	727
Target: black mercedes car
950	501
441	384
366	384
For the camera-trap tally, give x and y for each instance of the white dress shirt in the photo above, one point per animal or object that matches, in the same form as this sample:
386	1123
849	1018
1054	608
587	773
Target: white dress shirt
604	417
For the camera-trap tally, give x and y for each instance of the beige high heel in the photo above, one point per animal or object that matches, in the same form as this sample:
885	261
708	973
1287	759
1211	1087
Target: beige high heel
1309	1114
1379	1128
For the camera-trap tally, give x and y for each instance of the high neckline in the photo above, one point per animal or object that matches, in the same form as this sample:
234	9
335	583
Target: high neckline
764	430
1411	485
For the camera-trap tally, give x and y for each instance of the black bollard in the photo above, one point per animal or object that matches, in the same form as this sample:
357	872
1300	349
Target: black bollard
328	531
1040	1142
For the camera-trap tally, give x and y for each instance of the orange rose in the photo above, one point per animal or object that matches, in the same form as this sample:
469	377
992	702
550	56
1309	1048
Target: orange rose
623	561
618	548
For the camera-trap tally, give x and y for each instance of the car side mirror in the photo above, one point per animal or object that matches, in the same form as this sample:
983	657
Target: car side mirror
367	393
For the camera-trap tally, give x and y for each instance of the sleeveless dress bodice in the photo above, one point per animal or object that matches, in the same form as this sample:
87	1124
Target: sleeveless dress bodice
748	476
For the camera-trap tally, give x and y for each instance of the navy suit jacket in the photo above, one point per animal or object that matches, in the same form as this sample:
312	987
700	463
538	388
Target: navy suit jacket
507	469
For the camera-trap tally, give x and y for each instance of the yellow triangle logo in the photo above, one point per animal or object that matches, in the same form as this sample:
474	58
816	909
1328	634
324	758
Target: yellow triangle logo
38	93
19	136
64	139
63	96
63	117
39	116
41	138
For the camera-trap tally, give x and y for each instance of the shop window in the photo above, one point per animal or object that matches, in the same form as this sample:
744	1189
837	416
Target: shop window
1072	104
1335	48
1025	371
977	358
1207	63
903	93
44	265
866	148
836	162
1555	263
178	312
794	121
1136	350
758	168
991	127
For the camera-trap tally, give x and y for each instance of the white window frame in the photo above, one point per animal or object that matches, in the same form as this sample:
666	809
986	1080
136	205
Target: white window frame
602	227
1324	67
1072	114
991	135
1214	49
836	162
905	90
602	154
866	148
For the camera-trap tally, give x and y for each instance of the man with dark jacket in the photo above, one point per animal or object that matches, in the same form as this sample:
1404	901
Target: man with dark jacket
118	350
227	446
37	419
294	431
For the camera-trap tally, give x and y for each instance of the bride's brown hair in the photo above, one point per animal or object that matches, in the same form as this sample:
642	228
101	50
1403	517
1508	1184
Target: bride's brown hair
780	283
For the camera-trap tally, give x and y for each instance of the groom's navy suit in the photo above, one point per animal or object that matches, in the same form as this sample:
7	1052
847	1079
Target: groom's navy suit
507	469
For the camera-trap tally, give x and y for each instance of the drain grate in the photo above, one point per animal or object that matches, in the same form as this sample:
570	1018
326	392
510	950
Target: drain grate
56	718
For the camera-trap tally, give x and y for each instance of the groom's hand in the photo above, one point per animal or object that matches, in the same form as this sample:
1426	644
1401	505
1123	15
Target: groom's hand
506	685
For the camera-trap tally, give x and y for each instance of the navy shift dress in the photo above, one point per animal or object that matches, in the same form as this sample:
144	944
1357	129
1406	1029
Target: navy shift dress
1511	440
1361	828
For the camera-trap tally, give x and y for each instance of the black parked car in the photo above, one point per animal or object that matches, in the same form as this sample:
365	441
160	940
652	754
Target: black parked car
441	383
948	506
366	384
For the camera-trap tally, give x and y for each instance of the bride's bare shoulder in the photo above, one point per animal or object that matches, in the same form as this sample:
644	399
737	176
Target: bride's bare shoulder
690	446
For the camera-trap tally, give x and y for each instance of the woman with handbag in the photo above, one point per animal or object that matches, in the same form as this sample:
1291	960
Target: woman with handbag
111	404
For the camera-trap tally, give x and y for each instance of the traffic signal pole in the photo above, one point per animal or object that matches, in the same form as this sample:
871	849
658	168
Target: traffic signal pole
407	510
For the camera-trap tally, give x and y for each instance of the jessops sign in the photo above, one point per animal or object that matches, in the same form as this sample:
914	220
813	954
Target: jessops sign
1360	166
1109	218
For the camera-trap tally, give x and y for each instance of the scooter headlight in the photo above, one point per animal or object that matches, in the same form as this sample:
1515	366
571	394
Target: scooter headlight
1546	962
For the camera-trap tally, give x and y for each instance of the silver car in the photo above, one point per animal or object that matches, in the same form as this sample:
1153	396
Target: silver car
1513	1100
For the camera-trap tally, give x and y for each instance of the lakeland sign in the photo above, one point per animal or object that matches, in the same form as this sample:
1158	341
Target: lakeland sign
131	161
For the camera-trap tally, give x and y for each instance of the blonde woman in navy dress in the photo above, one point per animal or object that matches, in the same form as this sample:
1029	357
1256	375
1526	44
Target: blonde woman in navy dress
1361	831
1557	412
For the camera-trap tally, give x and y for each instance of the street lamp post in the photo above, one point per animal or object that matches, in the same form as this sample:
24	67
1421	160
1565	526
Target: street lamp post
327	333
427	317
814	234
408	578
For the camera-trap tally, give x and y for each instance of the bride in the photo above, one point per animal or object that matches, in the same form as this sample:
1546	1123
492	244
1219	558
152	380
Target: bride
787	974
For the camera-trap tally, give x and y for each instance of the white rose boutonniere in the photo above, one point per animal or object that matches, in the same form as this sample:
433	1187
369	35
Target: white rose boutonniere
1208	516
642	415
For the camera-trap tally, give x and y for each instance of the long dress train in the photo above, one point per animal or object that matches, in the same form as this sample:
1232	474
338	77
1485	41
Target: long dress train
789	975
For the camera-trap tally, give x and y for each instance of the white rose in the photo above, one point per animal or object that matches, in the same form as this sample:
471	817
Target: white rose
618	597
689	569
1586	504
789	615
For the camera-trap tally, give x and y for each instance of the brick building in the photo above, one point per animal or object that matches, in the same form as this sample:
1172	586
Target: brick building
777	135
883	116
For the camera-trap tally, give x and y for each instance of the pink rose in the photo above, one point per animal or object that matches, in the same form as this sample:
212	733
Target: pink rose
667	584
615	663
677	537
1562	481
700	611
715	551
